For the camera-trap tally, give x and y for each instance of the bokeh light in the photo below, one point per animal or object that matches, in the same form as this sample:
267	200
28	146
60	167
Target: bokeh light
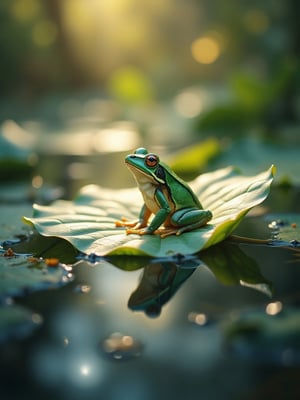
119	138
188	103
197	318
129	84
206	49
274	308
256	21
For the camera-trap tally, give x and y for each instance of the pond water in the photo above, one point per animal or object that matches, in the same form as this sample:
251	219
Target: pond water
223	324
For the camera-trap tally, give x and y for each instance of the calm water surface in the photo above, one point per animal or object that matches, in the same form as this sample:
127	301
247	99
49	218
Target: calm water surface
201	328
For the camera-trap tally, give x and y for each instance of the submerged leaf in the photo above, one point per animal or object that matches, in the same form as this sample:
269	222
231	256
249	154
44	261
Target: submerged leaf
88	222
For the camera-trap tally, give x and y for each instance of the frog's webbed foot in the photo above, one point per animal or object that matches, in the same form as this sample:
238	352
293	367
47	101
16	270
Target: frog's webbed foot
174	230
164	232
123	222
138	231
134	227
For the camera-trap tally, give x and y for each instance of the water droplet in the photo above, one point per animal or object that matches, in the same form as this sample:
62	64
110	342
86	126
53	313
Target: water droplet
196	318
84	289
36	318
67	278
121	347
274	308
274	227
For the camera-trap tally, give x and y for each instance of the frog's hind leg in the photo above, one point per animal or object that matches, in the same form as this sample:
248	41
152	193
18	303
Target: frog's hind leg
203	217
191	227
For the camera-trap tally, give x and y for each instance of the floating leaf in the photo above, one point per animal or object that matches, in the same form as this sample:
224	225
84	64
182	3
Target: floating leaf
88	222
21	274
44	247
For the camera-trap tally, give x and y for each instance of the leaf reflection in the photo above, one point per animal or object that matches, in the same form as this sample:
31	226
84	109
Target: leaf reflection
231	266
162	277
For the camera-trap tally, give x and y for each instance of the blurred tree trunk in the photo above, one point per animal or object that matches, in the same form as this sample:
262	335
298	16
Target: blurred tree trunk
293	28
74	75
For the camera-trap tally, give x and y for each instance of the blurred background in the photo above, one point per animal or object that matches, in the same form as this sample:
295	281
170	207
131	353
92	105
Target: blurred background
94	78
206	84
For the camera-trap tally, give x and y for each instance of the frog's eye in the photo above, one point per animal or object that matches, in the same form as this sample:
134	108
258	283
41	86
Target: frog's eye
151	160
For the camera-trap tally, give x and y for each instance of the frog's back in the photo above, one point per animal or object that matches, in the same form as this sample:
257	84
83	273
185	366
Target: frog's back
182	194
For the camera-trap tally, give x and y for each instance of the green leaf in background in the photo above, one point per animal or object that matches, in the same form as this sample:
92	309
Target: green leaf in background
88	222
15	151
253	153
195	157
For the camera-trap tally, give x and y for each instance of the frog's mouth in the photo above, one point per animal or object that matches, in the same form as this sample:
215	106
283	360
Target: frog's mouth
144	176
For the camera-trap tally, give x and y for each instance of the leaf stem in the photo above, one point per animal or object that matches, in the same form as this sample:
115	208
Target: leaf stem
244	239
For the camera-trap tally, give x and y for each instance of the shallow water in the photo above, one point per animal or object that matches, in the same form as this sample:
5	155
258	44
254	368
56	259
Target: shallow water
201	327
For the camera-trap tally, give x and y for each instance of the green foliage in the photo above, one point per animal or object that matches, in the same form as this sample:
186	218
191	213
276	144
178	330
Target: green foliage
196	157
253	100
254	153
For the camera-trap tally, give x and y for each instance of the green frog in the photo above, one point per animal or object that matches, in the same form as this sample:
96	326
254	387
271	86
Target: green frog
173	204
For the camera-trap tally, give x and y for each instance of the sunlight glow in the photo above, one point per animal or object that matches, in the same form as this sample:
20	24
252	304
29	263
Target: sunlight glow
115	139
206	50
85	370
130	84
188	103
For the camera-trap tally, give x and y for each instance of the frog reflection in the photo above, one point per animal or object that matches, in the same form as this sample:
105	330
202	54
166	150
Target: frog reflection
160	281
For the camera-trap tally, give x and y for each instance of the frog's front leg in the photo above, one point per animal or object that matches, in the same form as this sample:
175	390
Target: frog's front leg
159	218
140	223
188	219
